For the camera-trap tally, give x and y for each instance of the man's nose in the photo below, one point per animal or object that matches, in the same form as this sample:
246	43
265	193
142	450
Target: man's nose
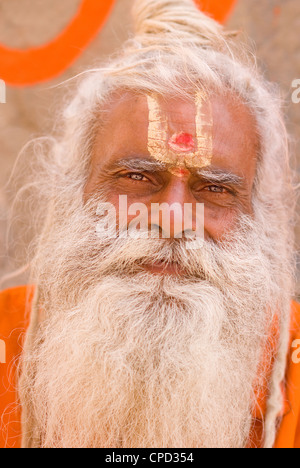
175	212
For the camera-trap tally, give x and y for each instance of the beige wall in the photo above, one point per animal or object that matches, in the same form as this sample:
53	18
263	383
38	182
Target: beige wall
273	25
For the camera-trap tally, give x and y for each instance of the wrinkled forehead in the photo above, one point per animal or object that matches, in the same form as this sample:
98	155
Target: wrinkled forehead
219	127
128	111
180	114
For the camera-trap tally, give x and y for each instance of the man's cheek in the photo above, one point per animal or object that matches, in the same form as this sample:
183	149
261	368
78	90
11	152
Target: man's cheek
219	221
129	214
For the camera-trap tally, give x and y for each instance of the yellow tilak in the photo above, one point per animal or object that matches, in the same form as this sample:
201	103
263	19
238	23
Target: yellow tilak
159	136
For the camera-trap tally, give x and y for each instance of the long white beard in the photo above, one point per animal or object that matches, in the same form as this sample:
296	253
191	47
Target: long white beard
124	358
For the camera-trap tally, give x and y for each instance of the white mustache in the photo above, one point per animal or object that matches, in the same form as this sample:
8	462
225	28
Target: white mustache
215	263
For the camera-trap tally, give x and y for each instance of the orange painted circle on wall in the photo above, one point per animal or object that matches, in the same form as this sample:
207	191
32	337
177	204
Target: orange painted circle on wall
43	63
38	64
218	9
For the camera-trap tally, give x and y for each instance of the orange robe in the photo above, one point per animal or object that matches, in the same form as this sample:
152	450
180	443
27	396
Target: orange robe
15	305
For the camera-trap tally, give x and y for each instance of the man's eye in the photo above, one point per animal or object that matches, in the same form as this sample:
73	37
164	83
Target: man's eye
136	176
216	189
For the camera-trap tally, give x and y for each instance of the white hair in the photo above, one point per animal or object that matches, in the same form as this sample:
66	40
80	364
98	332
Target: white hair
176	50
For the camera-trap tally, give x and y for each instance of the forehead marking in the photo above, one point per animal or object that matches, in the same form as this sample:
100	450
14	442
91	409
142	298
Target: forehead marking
181	150
182	142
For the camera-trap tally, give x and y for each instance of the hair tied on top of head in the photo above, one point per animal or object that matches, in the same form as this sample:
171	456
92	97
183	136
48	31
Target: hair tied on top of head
156	19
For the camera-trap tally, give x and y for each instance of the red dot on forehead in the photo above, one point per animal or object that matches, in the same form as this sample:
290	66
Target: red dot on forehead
180	172
182	142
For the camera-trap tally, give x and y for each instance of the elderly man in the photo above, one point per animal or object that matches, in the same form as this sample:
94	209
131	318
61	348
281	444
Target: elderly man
155	340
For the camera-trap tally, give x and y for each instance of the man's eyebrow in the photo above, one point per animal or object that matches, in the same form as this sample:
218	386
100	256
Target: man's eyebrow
138	164
151	165
220	176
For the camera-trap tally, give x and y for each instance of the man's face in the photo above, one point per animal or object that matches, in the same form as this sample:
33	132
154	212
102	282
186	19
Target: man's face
128	358
121	155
